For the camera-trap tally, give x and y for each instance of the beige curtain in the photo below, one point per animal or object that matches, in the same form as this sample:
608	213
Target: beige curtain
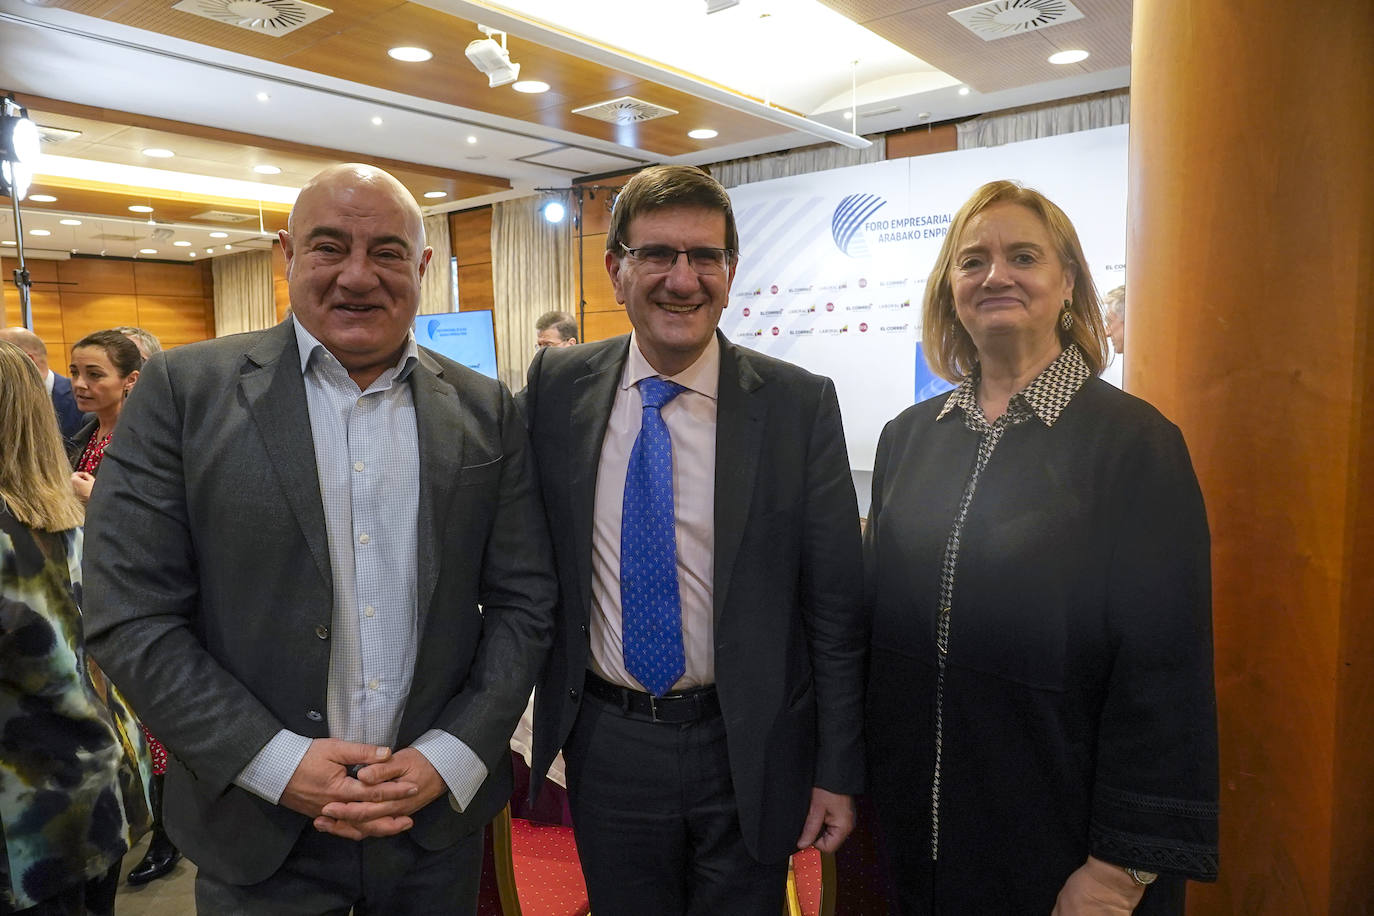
1048	119
533	270
243	292
801	161
436	290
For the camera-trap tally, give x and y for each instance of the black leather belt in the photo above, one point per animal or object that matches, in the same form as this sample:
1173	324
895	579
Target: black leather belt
671	708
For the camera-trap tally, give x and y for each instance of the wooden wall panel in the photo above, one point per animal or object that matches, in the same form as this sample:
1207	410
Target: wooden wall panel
175	320
281	294
475	290
470	236
96	275
158	278
83	313
601	325
918	141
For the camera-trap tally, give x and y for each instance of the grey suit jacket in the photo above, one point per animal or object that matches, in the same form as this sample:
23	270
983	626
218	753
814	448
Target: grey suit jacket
787	592
208	583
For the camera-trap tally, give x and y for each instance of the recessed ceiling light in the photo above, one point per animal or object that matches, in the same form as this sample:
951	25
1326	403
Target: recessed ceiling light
209	251
140	208
70	222
157	152
410	55
264	97
147	251
7	242
376	120
219	235
849	115
182	244
963	90
227	247
267	169
190	254
532	87
703	133
43	198
1068	57
472	139
435	194
39	232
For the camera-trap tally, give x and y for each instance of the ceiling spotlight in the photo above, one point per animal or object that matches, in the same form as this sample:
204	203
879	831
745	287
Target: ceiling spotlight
42	199
964	90
39	232
434	195
1068	57
7	242
472	139
492	58
531	87
182	244
209	251
190	254
147	251
554	211
219	235
227	247
410	55
267	169
157	152
70	222
140	208
376	120
264	97
703	133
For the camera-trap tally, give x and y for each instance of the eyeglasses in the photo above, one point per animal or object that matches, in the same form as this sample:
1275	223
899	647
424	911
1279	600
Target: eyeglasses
662	258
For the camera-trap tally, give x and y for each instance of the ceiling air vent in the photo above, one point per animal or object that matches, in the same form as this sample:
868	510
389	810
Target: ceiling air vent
1004	18
224	216
52	136
115	237
266	17
624	110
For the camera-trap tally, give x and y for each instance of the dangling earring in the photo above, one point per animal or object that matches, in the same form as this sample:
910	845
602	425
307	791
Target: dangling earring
1066	317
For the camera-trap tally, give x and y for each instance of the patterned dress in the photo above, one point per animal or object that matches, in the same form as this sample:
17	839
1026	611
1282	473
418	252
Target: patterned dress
72	774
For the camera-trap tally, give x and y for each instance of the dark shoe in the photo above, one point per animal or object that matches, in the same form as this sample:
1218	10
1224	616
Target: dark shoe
162	857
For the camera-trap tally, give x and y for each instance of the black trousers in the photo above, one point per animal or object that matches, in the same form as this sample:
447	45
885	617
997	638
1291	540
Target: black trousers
329	876
654	815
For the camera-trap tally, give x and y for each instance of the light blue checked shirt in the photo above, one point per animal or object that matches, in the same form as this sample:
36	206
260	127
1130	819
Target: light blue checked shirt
368	458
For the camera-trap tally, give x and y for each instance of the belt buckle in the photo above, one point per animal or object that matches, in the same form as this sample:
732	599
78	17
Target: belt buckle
653	709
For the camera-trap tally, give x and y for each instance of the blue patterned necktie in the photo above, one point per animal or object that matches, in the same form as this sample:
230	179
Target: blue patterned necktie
650	606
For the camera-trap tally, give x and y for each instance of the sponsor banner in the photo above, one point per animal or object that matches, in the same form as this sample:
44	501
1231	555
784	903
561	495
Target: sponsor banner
833	265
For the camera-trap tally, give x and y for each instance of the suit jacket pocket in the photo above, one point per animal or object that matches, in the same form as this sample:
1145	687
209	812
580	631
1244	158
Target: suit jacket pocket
482	474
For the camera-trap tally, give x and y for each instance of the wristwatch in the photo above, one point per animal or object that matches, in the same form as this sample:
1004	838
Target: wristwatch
1142	878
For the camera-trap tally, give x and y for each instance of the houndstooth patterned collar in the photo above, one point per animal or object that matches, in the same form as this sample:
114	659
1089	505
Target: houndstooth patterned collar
1045	397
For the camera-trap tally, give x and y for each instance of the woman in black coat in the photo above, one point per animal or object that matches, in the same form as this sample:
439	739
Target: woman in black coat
1040	711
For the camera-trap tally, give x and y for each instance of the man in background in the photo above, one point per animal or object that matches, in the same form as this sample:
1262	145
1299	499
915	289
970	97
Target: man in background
59	387
146	341
706	683
318	566
555	329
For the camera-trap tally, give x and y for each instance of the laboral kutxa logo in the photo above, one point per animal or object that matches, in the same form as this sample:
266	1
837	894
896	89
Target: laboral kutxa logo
847	223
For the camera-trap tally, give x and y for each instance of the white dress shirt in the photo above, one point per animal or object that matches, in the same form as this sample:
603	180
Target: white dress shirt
691	421
368	459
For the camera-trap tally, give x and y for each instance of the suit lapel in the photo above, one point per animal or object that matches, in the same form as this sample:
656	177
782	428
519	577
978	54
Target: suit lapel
740	415
275	394
439	426
593	394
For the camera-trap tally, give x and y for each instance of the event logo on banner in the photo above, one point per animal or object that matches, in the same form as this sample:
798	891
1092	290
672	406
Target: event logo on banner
833	265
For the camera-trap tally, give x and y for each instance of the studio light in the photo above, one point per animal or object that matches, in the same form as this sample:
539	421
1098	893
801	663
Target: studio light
554	211
492	58
18	149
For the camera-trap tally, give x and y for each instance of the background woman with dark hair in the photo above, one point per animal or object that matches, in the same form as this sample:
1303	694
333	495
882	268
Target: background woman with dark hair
1040	709
71	790
104	368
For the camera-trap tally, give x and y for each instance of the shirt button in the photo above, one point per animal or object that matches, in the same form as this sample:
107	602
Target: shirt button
572	692
314	715
373	684
358	465
369	611
322	631
363	539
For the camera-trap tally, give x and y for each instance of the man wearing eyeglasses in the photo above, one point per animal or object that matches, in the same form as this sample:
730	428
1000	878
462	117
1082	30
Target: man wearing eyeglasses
706	681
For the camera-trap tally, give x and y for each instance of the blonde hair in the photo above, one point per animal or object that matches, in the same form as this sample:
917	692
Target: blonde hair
948	347
35	478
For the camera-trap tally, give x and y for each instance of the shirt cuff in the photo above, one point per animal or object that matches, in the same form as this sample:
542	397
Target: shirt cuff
272	767
461	769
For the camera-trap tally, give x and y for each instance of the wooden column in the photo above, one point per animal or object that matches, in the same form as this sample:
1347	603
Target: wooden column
1250	272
